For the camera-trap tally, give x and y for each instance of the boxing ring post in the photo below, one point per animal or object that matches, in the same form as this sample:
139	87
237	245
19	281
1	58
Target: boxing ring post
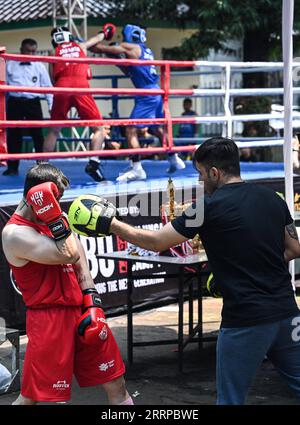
227	99
3	146
287	53
165	85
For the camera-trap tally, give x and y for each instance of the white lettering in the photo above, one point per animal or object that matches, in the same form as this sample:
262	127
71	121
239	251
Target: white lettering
112	286
296	330
89	245
106	267
37	198
122	284
101	287
145	282
61	385
116	415
44	209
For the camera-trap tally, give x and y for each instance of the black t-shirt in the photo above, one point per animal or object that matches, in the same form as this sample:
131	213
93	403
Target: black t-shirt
243	234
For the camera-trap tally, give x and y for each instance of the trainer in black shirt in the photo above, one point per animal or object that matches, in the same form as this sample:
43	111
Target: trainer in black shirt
243	234
249	237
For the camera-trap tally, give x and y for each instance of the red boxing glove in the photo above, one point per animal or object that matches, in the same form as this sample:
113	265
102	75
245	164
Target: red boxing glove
91	325
109	31
43	200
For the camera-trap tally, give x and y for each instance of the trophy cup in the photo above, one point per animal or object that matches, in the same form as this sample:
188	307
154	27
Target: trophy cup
169	211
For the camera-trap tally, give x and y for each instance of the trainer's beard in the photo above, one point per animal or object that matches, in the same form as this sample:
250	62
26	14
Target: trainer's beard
210	186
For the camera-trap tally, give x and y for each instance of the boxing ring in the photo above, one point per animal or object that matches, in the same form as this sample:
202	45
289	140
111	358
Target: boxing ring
111	276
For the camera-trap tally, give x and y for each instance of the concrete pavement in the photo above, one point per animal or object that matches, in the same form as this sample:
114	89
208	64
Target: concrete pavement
154	378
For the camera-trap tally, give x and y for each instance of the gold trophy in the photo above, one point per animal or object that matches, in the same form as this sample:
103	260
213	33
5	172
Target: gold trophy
169	211
171	196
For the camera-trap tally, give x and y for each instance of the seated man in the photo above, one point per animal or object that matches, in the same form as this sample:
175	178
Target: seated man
188	129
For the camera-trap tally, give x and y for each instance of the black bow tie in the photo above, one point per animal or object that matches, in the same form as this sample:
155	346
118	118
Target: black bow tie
25	63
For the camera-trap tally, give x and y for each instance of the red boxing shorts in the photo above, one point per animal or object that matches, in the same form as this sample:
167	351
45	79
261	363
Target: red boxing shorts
85	104
54	352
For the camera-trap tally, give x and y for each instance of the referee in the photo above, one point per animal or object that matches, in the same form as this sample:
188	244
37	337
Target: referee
22	105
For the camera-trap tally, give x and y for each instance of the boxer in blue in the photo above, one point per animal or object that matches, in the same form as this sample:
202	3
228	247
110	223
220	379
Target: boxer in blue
142	77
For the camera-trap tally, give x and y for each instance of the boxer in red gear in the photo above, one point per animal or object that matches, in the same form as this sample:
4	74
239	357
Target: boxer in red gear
76	75
51	269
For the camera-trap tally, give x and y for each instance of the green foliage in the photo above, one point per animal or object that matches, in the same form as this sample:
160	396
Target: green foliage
217	21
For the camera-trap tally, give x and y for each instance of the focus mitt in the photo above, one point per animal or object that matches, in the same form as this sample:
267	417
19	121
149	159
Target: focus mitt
91	215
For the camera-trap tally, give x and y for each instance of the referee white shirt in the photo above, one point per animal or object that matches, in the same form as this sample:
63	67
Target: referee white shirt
33	74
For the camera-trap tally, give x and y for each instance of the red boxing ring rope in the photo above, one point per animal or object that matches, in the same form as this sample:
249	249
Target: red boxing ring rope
165	91
93	61
92	123
84	91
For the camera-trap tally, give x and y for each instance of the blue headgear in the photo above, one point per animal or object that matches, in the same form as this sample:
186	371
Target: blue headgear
134	34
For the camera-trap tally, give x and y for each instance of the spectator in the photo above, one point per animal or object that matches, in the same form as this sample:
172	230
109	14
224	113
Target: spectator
186	129
109	143
22	105
247	155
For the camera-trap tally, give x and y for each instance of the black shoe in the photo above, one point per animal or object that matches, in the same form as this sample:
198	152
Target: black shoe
10	172
93	170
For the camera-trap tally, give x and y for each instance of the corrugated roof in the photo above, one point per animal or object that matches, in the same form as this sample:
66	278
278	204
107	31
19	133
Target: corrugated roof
24	10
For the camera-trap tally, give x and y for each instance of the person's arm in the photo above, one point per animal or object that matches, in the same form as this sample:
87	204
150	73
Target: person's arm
46	82
103	220
25	243
131	51
91	326
9	73
106	33
292	246
50	68
87	45
82	270
153	240
43	199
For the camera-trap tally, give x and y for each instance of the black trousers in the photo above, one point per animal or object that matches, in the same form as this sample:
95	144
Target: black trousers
21	108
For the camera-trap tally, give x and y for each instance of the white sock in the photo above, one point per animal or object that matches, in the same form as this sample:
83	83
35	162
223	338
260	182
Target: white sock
127	402
173	158
137	166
